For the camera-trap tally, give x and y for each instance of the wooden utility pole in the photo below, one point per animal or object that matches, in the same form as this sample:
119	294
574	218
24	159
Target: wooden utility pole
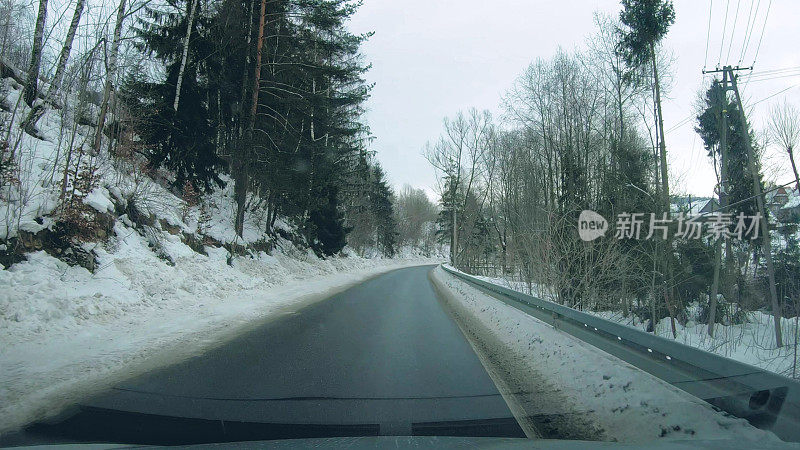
723	177
766	241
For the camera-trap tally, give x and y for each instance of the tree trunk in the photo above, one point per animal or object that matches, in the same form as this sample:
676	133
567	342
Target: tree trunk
257	68
31	84
111	72
794	168
653	294
664	177
454	250
184	54
712	299
245	74
672	314
240	197
37	111
241	175
55	86
238	154
662	143
794	359
5	38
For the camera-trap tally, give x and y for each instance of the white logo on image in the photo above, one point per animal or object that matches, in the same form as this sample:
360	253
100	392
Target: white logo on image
591	225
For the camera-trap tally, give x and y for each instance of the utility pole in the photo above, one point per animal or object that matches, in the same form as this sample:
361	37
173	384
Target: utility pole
766	241
723	178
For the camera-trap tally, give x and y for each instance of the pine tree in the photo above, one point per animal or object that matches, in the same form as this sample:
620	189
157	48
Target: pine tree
645	24
325	227
738	185
450	208
381	201
183	140
291	142
308	129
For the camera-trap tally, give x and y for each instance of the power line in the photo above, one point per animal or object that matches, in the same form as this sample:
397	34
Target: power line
769	75
773	71
773	95
747	30
776	74
733	30
752	28
752	197
766	16
724	30
775	77
758	48
708	34
681	123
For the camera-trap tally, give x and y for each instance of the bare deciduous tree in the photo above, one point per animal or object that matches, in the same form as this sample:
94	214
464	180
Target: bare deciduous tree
184	54
111	72
459	155
784	128
55	84
32	82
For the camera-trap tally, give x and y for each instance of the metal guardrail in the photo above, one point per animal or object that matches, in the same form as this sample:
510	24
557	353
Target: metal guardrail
766	399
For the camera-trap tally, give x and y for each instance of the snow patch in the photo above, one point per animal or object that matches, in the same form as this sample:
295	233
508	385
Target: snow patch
100	200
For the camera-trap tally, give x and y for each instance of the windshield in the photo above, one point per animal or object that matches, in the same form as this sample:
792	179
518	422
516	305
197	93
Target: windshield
270	220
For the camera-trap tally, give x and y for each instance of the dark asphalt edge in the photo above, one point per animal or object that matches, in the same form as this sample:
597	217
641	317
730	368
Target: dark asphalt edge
448	301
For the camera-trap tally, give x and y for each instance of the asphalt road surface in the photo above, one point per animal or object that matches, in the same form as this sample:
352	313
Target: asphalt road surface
382	358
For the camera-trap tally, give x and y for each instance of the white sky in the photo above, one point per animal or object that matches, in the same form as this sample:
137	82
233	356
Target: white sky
432	58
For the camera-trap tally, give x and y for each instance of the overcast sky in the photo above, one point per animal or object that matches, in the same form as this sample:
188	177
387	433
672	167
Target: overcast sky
432	58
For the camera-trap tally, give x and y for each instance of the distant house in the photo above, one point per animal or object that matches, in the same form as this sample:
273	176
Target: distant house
789	210
694	206
706	206
775	200
783	204
781	196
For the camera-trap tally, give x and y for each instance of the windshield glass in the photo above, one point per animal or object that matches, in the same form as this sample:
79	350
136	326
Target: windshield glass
269	220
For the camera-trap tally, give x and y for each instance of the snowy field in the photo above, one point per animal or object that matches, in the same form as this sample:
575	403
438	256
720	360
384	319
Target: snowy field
752	342
622	402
